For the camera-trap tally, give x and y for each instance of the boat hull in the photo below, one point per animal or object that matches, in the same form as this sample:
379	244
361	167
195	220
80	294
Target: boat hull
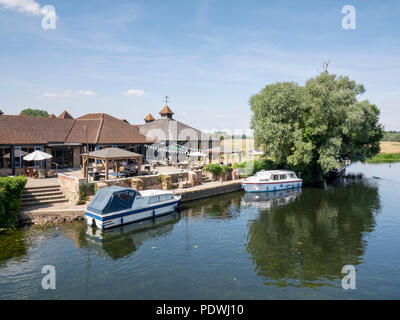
129	216
270	186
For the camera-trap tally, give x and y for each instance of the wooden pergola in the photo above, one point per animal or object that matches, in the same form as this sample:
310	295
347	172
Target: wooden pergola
110	154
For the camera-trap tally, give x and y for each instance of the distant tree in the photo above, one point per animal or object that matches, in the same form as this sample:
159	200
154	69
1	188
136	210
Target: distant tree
308	128
35	113
391	136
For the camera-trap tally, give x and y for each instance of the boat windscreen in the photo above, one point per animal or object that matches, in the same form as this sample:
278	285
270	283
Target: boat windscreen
107	202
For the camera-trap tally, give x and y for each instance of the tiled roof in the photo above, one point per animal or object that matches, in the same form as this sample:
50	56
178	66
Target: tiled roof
97	116
101	128
105	130
113	153
9	136
39	129
65	115
149	117
166	111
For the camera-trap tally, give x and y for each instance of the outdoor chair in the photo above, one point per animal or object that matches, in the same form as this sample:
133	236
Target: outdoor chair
41	173
50	173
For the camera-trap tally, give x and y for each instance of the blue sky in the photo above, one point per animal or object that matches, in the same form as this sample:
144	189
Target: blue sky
209	56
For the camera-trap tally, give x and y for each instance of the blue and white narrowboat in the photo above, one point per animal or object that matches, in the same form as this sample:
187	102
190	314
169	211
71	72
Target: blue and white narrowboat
271	180
116	206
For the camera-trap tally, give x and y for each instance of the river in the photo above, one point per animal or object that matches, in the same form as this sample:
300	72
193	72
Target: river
288	245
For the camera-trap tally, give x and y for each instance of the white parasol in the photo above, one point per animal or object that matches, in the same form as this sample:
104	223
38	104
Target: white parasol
196	154
37	156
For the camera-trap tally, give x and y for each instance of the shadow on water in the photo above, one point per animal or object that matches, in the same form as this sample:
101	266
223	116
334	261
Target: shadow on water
307	242
124	241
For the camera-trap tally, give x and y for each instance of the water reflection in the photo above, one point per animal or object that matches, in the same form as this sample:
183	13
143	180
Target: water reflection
125	240
268	200
307	242
226	207
12	245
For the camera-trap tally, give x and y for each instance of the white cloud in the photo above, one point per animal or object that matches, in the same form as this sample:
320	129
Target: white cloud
86	93
52	95
134	92
27	6
66	94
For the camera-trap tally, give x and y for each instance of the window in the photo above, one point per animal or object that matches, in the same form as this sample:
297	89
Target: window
282	176
275	177
125	196
153	200
163	198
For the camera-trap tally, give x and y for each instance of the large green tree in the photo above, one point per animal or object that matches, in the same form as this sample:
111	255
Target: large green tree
308	128
35	113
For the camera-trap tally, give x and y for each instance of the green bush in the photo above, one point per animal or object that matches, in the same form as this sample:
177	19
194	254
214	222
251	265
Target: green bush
251	167
226	169
10	200
86	190
214	168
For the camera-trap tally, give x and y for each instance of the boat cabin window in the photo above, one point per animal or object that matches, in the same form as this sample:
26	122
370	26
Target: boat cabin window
292	175
125	196
275	177
165	197
282	176
153	199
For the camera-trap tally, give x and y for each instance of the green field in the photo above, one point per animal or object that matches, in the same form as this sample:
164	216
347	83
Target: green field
385	157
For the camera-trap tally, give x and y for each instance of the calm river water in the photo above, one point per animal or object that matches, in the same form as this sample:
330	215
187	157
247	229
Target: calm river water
289	245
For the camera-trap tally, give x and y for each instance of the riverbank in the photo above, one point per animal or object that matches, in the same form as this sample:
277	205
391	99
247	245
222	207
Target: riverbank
58	213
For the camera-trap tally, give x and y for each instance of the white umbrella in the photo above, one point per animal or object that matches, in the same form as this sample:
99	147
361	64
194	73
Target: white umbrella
37	156
196	154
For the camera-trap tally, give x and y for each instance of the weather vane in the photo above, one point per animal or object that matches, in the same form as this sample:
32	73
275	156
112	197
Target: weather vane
166	100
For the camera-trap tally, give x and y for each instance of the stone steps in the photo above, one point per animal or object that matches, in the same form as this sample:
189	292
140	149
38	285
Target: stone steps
42	195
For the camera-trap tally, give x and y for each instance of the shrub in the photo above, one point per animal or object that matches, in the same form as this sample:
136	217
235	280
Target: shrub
226	169
10	200
214	168
251	167
86	190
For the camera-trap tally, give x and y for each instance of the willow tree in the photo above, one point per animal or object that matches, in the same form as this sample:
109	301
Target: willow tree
308	128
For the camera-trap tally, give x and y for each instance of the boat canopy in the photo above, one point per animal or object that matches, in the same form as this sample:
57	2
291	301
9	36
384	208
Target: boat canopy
111	199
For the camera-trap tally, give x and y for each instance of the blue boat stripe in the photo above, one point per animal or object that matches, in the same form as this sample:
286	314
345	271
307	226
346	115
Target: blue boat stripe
130	212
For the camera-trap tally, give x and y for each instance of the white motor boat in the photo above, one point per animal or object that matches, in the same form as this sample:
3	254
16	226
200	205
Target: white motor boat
115	206
271	180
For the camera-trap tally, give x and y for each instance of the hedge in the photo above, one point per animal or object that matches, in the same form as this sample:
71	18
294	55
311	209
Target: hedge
217	169
10	200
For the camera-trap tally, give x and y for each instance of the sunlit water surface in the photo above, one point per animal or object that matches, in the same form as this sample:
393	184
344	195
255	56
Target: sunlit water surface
288	245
